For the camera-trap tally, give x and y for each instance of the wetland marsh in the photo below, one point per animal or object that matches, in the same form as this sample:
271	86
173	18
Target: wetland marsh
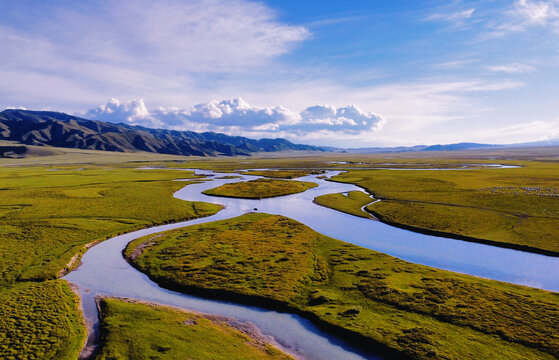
300	207
104	272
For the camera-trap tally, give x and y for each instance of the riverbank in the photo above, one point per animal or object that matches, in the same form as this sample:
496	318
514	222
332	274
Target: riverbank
361	205
352	203
49	220
136	329
510	208
535	250
397	307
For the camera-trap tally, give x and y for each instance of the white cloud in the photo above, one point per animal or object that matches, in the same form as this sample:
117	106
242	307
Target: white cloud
453	64
132	112
237	112
349	119
152	49
522	132
529	13
536	12
455	17
512	68
207	35
236	116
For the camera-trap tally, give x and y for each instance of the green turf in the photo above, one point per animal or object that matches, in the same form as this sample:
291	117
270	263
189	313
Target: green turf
138	331
261	188
515	207
417	310
40	321
350	203
48	216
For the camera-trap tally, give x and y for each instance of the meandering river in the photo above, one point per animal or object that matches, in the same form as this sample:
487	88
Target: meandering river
105	272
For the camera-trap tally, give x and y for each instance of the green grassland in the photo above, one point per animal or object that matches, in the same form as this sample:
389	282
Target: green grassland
46	219
261	188
48	216
418	311
288	160
40	321
512	207
140	331
282	174
351	203
340	161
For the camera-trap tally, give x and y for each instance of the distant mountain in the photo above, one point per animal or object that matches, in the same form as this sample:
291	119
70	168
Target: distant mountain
448	147
460	146
550	142
63	130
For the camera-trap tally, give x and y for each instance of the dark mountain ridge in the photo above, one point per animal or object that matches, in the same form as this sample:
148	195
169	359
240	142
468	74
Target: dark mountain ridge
63	130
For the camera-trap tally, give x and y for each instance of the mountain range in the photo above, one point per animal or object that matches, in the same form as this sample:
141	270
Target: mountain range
447	147
63	130
56	129
452	147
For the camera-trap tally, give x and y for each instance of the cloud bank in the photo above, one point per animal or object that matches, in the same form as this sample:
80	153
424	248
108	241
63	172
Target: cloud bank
238	117
84	50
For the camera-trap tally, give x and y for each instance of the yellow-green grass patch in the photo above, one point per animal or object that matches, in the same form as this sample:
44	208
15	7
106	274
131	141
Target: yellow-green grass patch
139	331
261	188
350	203
40	321
282	174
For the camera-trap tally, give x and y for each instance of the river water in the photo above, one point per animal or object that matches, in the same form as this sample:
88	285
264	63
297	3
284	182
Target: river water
105	272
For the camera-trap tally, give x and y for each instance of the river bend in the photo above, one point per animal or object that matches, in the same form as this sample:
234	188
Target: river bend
104	271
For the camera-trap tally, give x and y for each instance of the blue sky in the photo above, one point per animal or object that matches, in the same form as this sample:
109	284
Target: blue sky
352	74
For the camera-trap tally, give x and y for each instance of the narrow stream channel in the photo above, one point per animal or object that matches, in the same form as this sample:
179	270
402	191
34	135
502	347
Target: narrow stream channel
105	272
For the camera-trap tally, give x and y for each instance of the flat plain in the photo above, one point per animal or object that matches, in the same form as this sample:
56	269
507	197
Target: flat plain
52	206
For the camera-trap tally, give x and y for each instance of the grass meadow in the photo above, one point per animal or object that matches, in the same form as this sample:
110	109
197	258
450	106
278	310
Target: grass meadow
52	206
40	320
417	311
47	216
513	207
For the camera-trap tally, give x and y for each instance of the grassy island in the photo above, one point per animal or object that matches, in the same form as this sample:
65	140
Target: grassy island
383	302
350	203
133	330
261	188
283	174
